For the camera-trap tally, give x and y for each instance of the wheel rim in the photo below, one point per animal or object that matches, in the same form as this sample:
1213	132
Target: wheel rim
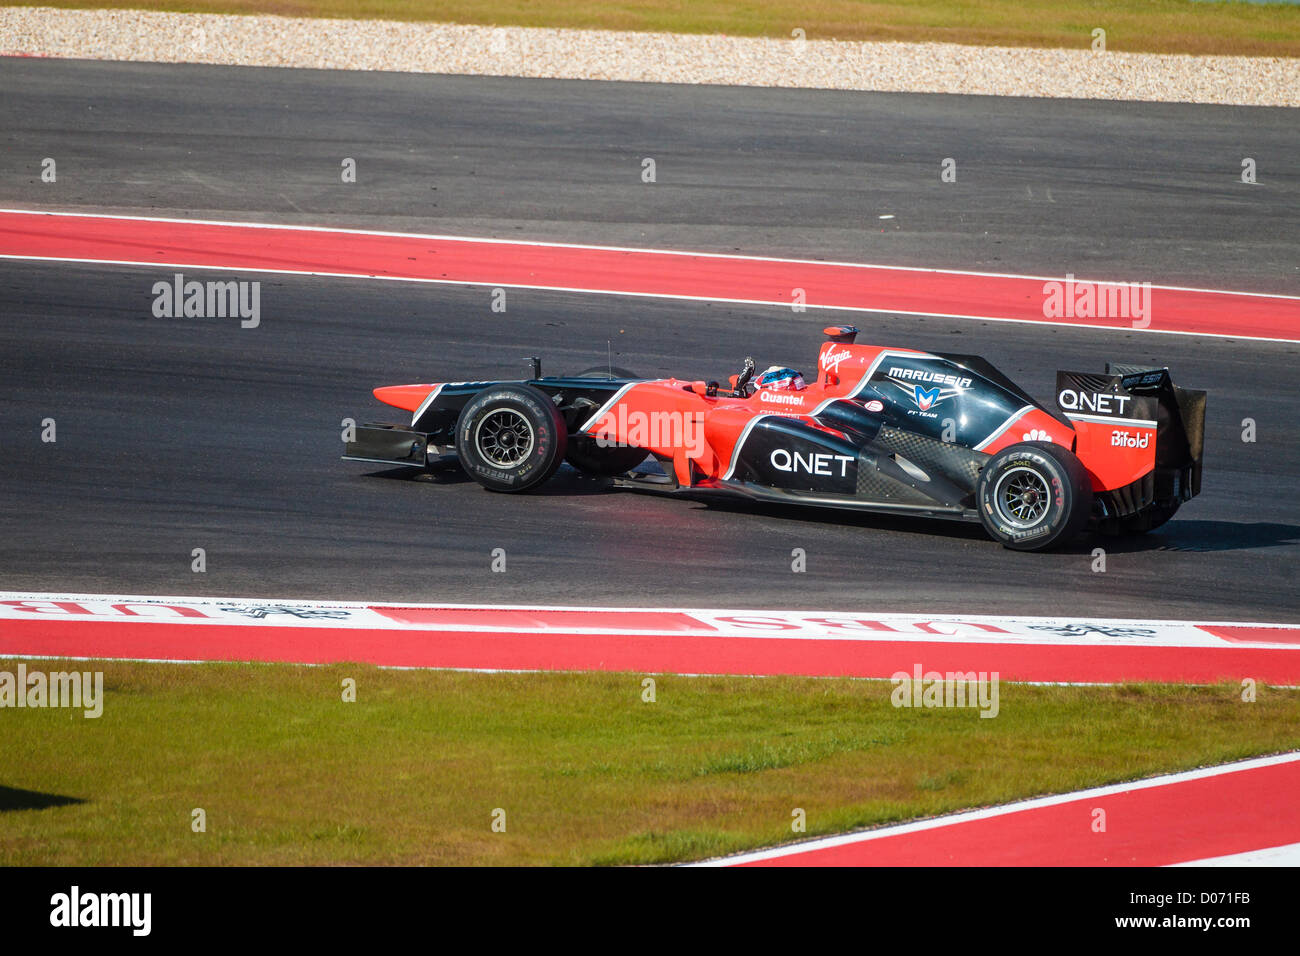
504	437
1022	497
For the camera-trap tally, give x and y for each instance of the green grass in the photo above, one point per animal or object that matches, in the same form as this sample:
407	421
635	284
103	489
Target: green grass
586	772
1158	26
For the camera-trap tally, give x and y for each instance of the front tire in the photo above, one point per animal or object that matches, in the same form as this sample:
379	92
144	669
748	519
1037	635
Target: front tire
510	438
1033	496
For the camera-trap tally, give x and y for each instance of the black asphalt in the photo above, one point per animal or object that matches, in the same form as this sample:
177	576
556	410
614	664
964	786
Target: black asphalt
176	434
1136	191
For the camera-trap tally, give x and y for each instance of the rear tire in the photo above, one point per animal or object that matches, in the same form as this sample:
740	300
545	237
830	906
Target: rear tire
510	437
1034	496
587	456
605	372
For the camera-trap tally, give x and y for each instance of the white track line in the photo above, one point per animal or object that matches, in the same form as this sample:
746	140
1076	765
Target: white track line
634	249
873	614
1239	337
1288	855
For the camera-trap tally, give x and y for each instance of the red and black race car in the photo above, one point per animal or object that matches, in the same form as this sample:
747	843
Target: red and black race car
879	429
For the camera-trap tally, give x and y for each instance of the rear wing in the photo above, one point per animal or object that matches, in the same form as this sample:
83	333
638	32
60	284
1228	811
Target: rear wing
1116	415
1182	422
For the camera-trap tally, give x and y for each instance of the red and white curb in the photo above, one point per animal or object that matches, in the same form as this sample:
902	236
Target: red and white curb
1245	813
176	244
647	640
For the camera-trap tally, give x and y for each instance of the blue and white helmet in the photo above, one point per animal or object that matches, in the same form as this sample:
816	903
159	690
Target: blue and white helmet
780	379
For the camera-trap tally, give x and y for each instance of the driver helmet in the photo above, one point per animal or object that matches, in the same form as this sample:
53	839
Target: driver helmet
780	379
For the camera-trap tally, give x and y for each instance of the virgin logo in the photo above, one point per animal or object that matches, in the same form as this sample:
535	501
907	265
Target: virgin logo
831	359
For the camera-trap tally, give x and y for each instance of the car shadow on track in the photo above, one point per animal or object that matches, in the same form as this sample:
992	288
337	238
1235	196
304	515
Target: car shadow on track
866	520
1196	535
449	476
566	482
1180	534
1185	535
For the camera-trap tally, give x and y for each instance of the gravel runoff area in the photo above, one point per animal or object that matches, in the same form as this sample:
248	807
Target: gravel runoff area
648	57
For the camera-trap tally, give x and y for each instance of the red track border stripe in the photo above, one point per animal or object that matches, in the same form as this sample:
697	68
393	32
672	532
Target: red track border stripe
667	653
1229	813
173	244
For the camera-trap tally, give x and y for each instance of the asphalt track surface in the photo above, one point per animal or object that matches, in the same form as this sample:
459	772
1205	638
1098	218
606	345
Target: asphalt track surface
1140	192
182	434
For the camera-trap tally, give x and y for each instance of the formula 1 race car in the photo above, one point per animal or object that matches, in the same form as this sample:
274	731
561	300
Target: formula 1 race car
880	429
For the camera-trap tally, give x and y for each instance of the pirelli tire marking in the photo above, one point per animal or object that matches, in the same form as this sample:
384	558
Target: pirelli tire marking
544	448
